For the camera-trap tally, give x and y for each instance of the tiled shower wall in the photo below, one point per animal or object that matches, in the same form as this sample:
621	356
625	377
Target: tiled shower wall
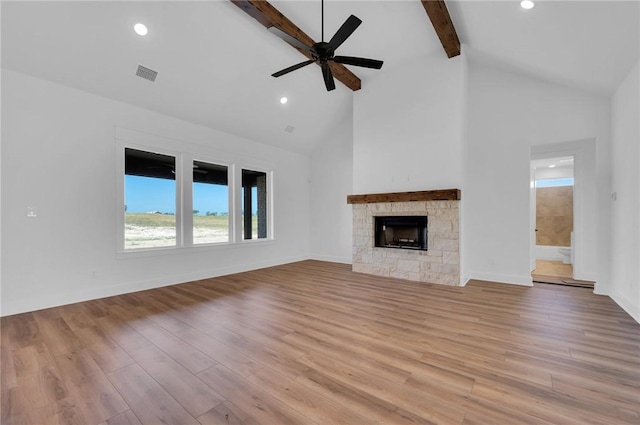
554	215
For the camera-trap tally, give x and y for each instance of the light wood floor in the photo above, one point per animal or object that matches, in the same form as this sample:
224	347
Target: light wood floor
553	268
313	343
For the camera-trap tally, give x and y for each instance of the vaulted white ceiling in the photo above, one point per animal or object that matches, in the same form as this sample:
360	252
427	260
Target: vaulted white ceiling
214	61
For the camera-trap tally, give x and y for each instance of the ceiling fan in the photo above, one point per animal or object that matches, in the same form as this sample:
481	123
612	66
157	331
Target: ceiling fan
323	52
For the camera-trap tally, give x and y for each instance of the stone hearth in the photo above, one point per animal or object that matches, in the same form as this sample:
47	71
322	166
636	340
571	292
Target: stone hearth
440	264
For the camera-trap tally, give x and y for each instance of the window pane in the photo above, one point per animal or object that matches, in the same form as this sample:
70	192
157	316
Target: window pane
555	182
150	200
210	203
254	204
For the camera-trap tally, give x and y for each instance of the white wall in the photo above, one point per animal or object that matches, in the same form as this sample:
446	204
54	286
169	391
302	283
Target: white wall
407	127
58	155
625	210
508	115
331	182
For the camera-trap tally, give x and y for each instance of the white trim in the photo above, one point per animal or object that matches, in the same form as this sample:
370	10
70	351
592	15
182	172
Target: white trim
332	259
627	305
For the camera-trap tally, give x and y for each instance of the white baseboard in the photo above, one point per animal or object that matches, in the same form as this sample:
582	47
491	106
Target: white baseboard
500	278
332	259
32	304
627	305
584	276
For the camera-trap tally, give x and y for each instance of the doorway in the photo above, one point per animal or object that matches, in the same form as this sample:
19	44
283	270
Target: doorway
553	186
553	216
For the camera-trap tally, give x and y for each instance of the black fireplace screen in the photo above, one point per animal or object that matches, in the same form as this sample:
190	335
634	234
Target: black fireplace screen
405	232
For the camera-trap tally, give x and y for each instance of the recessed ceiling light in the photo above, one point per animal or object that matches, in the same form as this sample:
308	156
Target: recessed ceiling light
140	29
527	4
552	166
283	100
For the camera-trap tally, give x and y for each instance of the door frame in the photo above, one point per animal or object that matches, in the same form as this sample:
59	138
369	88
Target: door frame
583	153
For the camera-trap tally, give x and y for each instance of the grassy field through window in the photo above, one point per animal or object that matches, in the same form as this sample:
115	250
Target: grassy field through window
149	230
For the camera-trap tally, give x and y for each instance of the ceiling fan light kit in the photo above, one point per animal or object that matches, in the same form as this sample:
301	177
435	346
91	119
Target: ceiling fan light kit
324	52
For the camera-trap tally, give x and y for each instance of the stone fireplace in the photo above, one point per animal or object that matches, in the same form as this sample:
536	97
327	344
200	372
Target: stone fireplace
434	260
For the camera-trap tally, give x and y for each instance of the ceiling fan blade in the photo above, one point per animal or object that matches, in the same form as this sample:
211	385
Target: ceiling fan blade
328	77
364	62
289	39
345	31
292	68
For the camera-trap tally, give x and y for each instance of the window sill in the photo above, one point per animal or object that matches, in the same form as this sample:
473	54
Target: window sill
152	252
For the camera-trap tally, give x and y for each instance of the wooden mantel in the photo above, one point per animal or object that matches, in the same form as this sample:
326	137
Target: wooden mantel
425	195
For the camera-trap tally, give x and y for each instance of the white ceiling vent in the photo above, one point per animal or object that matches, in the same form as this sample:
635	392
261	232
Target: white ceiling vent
146	73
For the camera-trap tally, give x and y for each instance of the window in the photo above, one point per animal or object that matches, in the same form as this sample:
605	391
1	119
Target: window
555	182
254	204
210	203
172	197
150	200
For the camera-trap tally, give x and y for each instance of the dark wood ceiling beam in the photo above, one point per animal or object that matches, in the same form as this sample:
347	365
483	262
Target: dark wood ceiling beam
439	16
263	12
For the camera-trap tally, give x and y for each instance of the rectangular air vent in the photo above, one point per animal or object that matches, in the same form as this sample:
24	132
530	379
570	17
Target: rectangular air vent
146	73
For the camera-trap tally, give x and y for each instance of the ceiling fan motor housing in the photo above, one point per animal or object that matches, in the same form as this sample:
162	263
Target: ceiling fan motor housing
323	51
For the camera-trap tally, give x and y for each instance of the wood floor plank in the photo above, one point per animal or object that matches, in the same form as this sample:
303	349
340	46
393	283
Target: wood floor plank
232	359
96	398
20	330
437	405
193	394
76	317
318	408
39	389
125	336
56	333
148	400
543	409
313	343
30	360
375	366
106	352
620	397
76	366
282	359
227	414
8	377
124	418
185	354
64	412
364	403
259	404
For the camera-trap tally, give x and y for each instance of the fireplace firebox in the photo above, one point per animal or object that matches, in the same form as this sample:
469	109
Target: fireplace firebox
401	232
